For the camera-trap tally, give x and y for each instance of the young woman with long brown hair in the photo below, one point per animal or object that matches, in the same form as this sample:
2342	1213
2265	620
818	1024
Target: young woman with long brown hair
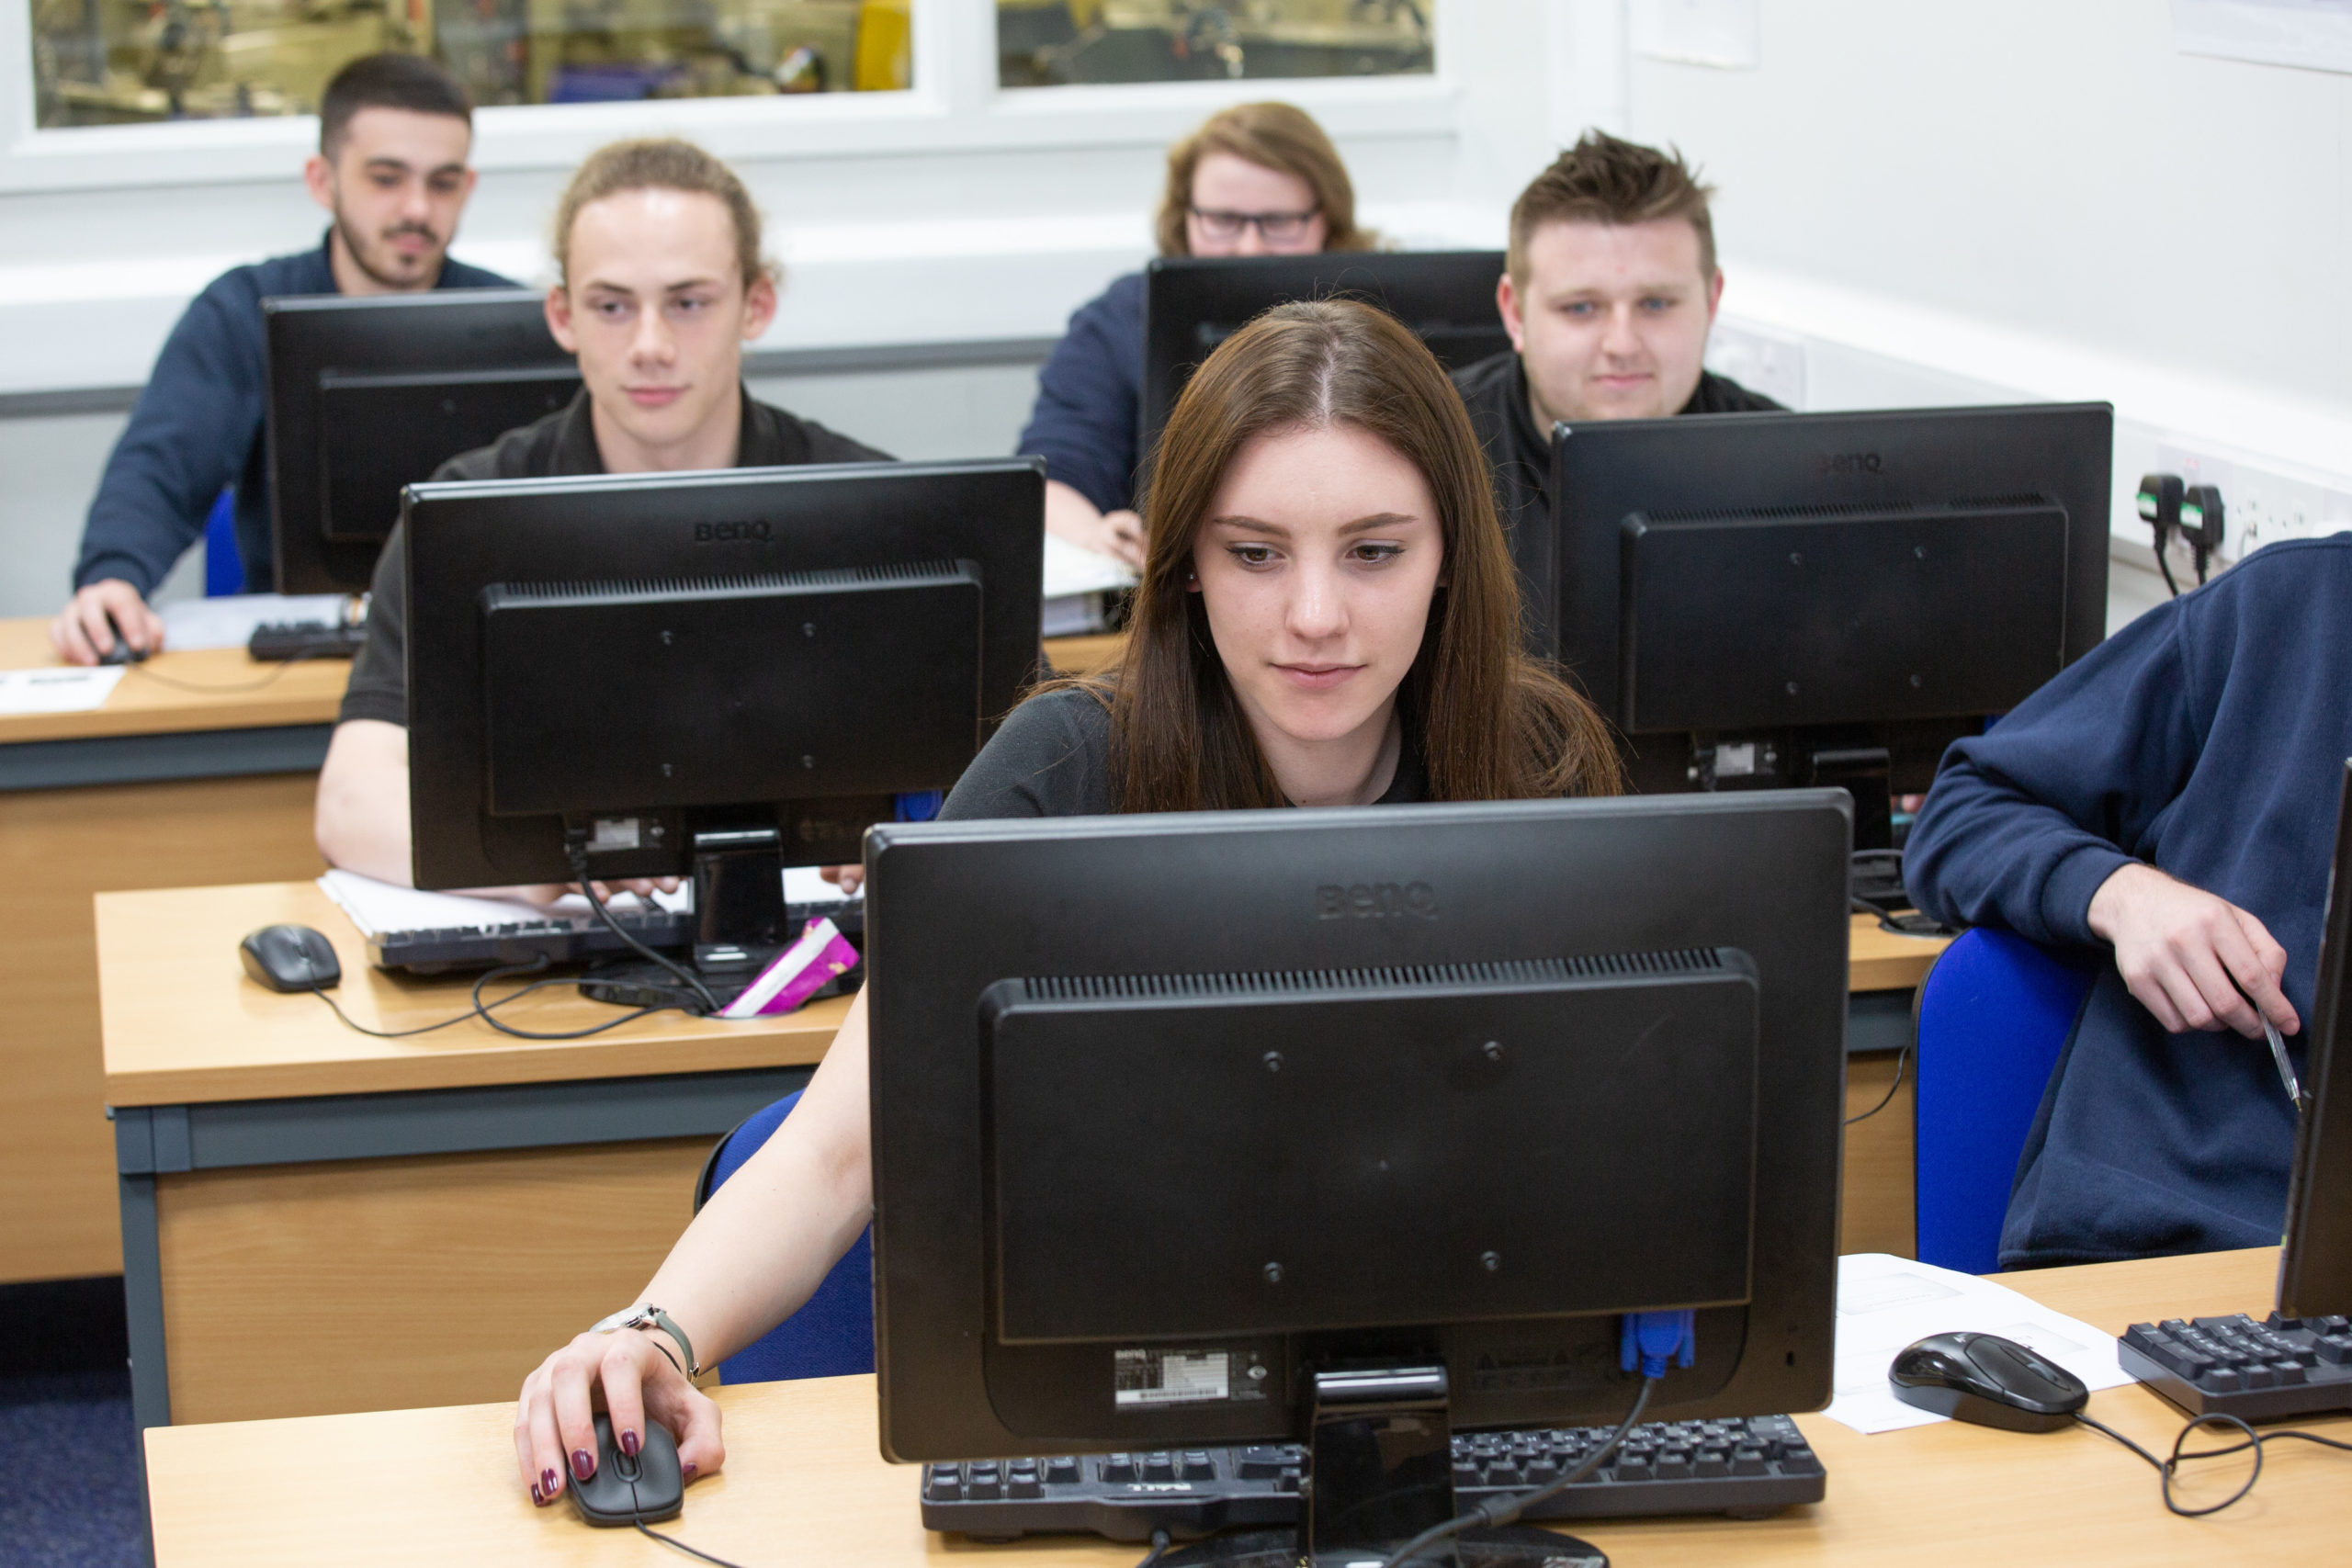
1328	616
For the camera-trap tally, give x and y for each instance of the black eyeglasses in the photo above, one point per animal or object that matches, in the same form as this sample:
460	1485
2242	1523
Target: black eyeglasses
1274	227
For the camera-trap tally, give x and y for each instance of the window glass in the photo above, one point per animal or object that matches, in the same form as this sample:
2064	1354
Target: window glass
117	62
1050	43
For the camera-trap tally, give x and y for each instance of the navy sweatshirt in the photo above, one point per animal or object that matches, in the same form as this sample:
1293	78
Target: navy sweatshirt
2207	738
198	428
1090	396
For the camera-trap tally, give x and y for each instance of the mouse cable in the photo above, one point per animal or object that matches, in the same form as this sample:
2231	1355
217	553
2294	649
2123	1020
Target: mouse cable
671	1541
1159	1543
2167	1469
486	1010
1507	1508
283	665
476	1010
1901	1059
577	852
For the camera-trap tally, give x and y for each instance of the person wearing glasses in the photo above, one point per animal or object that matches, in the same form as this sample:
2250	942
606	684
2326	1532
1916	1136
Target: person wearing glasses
1254	180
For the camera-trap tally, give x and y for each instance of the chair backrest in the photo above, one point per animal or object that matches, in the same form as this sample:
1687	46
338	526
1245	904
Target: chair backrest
1993	1015
832	1333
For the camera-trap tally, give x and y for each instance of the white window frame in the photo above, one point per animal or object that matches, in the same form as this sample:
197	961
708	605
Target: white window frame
955	106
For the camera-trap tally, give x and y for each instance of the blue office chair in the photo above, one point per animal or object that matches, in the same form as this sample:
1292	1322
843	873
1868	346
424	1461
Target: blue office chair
224	569
1993	1014
832	1333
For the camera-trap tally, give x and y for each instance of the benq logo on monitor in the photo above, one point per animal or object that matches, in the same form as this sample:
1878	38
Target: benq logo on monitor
1853	463
1375	900
733	534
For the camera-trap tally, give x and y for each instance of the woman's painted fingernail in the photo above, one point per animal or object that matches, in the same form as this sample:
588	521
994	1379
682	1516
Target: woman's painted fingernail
583	1463
628	1444
546	1482
688	1471
536	1499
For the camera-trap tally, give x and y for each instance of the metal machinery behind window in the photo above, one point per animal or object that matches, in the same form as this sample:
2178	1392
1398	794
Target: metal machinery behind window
1052	43
131	61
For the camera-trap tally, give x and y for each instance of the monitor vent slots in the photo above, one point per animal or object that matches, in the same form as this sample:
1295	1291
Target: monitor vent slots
639	590
1782	514
1090	987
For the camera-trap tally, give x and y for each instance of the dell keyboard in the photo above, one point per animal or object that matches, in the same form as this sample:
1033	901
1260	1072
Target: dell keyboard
279	641
2234	1366
1744	1467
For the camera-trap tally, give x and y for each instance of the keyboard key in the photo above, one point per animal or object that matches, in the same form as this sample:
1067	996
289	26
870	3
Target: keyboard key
1118	1469
1196	1466
1062	1469
946	1484
1263	1462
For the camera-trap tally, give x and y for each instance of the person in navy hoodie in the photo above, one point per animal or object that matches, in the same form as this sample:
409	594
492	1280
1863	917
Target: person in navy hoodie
395	134
2169	802
1256	179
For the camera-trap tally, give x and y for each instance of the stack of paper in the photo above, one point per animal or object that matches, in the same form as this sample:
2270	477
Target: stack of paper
57	689
375	906
229	621
1885	1303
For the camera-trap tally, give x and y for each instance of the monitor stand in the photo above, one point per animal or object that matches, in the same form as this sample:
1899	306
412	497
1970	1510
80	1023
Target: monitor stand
740	921
1380	1471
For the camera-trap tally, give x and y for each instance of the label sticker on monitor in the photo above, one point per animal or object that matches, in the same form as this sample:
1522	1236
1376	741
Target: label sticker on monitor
1171	1377
608	835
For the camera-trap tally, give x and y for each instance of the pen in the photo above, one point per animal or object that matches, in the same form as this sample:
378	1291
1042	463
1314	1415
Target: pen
2286	1072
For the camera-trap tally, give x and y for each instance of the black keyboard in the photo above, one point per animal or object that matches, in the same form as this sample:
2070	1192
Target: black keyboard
1746	1468
2234	1366
568	938
278	641
558	938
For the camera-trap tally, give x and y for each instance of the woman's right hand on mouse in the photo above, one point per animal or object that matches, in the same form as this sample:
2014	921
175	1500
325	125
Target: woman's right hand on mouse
555	1432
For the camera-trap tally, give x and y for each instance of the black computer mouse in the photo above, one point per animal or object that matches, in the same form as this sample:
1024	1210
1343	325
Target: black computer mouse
625	1491
121	652
290	958
1987	1379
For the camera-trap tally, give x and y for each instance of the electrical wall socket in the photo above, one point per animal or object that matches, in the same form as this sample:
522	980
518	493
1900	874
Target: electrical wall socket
2261	503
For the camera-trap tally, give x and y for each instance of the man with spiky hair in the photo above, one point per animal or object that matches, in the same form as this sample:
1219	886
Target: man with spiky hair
1609	291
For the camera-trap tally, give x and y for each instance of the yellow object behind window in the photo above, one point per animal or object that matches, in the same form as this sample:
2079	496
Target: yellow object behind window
884	62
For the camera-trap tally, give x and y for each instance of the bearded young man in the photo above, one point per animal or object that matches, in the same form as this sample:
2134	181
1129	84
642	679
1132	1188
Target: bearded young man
394	134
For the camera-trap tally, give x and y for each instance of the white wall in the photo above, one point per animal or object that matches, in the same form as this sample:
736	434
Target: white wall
2017	198
2056	168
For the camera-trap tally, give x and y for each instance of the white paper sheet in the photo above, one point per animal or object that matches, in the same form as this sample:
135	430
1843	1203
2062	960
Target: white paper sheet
375	906
229	621
1886	1302
57	689
1073	570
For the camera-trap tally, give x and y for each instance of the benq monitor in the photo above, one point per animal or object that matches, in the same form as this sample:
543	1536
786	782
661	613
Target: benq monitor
368	395
1762	600
1183	1122
1193	303
722	673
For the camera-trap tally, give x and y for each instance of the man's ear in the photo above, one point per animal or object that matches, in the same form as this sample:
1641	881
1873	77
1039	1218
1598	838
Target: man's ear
1507	306
759	307
317	178
559	308
1714	295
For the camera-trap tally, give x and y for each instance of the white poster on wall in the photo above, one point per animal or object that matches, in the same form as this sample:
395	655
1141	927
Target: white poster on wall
2315	35
1722	33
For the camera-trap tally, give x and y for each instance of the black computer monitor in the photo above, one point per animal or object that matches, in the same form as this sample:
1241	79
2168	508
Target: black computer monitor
1193	303
1180	1120
721	673
2315	1266
368	395
1821	598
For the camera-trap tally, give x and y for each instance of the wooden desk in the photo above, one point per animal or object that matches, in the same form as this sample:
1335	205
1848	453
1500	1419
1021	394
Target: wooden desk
804	1481
159	787
462	1200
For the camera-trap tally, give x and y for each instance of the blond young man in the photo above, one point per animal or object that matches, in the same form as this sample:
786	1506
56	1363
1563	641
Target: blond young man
662	283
